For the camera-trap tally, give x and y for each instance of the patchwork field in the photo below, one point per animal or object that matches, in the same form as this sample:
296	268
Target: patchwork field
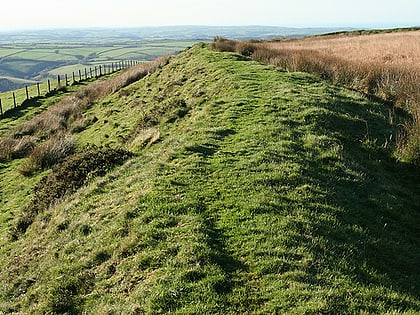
38	62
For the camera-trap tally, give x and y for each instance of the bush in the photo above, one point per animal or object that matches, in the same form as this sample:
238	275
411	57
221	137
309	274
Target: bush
66	178
223	45
245	48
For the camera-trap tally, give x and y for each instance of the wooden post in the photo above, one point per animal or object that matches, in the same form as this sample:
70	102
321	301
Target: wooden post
1	108
39	90
67	80
74	78
14	100
49	86
58	81
27	93
96	72
112	67
100	70
85	74
80	75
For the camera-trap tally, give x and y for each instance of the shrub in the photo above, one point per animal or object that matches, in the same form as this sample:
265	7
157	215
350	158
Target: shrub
223	45
66	178
245	48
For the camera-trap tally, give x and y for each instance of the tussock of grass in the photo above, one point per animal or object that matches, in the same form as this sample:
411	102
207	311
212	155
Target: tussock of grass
49	153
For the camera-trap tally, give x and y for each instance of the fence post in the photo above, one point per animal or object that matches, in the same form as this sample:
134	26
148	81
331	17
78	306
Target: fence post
100	70
14	100
67	80
27	93
85	74
80	75
74	78
49	86
112	66
39	91
58	82
1	108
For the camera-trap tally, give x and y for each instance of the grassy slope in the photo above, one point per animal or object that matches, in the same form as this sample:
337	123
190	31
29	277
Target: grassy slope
251	191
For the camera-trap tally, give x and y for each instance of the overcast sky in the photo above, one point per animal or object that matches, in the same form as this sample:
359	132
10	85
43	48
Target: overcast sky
294	13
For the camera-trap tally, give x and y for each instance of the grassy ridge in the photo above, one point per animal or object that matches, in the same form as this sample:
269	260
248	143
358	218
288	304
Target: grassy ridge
250	191
384	66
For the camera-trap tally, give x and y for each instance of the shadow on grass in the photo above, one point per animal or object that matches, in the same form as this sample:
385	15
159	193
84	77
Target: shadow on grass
376	236
222	258
34	102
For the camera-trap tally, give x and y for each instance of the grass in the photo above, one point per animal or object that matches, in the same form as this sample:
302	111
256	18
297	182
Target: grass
381	65
250	190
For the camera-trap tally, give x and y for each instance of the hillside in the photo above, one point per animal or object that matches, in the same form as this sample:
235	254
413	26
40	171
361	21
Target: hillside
217	185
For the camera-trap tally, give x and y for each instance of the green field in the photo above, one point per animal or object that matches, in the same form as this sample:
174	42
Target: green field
41	61
248	190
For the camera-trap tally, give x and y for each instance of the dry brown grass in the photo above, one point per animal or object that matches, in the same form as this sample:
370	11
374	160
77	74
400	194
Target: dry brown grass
385	65
401	49
44	139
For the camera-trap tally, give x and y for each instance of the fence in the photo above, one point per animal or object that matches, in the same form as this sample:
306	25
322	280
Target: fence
13	99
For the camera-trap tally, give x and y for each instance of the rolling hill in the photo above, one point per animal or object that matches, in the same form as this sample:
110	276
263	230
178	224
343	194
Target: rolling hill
211	185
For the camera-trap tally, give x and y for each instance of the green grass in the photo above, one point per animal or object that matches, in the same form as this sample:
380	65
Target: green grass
250	191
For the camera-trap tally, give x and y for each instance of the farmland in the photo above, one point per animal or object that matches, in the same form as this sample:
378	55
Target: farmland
28	62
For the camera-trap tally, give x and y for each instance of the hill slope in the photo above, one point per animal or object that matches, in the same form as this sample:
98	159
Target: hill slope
249	190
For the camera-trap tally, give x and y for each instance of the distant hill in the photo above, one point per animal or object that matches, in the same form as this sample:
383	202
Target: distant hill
206	183
193	32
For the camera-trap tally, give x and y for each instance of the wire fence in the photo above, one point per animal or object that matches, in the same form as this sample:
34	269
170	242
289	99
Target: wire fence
13	99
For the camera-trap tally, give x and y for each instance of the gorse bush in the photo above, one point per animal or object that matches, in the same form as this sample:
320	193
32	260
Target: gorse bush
395	83
67	177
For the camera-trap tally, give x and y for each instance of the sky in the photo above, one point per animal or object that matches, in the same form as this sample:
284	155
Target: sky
21	14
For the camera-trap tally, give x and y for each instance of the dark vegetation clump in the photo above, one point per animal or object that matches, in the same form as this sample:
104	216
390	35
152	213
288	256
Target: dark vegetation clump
66	178
65	295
